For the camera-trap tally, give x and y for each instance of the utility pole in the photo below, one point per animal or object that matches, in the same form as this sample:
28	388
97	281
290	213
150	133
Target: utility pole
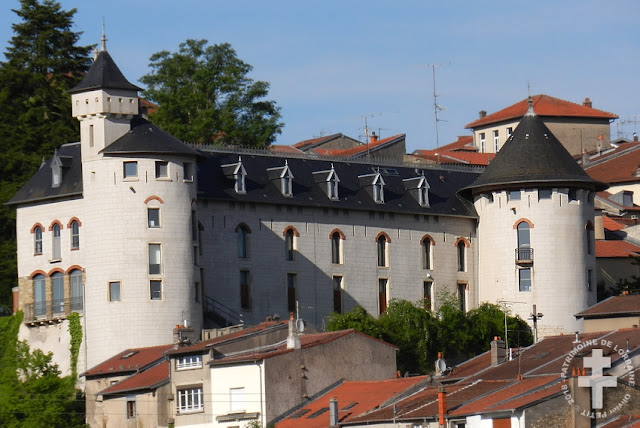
535	316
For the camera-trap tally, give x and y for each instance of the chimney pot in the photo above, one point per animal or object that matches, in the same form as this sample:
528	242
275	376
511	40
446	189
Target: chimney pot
373	138
482	114
498	351
442	404
587	103
333	411
635	137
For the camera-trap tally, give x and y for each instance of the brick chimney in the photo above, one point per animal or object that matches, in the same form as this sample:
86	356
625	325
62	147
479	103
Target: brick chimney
498	351
183	336
587	103
581	397
373	138
482	114
442	405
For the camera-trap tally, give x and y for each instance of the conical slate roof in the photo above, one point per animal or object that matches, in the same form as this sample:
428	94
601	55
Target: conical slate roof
532	157
104	74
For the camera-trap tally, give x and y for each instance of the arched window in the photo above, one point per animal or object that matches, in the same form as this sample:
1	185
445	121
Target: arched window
39	296
57	290
75	235
77	290
288	244
56	242
524	241
382	250
427	252
589	236
37	240
242	232
336	247
461	249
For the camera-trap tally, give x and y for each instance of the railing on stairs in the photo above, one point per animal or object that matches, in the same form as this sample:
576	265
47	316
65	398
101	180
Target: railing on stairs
221	314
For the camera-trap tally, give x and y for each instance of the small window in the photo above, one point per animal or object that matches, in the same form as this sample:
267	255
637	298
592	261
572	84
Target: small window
243	241
114	291
589	280
56	242
426	254
383	284
91	142
187	168
378	191
130	169
190	400
131	409
196	291
381	244
336	244
245	295
515	195
496	141
289	247
75	235
524	279
462	296
291	292
573	195
155	289
153	217
37	240
589	237
427	288
337	294
194	226
461	255
482	143
155	257
332	187
544	194
509	131
185	362
162	169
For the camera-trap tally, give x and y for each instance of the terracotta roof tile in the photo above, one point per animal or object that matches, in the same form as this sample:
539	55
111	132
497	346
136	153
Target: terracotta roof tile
354	398
284	149
353	151
611	224
617	169
148	379
306	143
543	105
615	249
615	305
130	360
623	421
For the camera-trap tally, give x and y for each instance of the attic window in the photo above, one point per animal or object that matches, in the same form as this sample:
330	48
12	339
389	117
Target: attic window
285	177
128	355
348	406
237	173
318	413
300	414
378	190
329	180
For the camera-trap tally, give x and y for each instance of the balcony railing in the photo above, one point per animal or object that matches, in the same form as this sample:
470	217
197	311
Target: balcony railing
51	310
524	256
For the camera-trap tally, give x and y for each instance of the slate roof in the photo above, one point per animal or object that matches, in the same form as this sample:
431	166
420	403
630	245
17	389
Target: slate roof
104	74
543	105
622	305
149	379
354	398
39	187
443	182
128	361
145	137
532	157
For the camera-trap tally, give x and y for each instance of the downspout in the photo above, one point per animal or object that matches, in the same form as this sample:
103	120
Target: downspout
262	410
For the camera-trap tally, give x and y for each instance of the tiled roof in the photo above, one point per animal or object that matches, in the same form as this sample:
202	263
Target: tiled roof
148	379
362	149
533	156
611	224
456	157
463	143
354	398
306	144
621	168
543	105
615	249
130	360
104	74
625	304
284	149
623	421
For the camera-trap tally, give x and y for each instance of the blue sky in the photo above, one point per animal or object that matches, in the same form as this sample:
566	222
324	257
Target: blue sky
331	62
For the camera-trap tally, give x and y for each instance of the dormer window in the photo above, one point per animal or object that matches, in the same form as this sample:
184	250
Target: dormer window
376	184
284	175
378	191
56	170
418	187
237	173
329	181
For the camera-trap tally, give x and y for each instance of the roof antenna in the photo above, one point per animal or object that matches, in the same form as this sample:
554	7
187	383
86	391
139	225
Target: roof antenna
103	40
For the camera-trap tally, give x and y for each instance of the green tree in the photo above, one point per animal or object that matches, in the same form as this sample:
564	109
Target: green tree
42	62
205	95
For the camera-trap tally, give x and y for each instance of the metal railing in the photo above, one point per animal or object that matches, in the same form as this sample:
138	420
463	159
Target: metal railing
52	309
524	255
220	313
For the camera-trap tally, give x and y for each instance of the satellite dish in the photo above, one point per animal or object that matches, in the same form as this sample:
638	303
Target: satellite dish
300	325
441	366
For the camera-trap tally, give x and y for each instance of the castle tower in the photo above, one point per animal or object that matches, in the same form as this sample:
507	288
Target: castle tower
139	225
535	229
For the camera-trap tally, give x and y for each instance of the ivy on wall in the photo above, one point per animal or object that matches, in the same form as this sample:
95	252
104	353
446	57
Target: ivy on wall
75	330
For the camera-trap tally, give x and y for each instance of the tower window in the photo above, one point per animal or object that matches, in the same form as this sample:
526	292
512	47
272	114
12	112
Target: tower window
337	294
153	217
162	169
291	292
155	289
130	169
336	244
114	291
288	245
245	296
381	244
383	284
461	255
524	279
154	259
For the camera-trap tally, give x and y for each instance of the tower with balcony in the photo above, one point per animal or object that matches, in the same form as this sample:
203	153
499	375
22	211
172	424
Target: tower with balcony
535	229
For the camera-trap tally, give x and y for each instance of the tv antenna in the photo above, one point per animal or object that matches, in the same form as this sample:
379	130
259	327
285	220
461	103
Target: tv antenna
436	107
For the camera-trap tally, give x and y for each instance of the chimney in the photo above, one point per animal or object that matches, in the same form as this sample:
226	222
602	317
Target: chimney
442	405
586	160
482	114
635	137
373	138
183	336
587	103
498	352
293	340
581	397
333	412
16	299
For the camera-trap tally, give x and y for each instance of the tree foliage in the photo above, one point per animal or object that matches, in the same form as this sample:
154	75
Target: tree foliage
42	63
205	95
421	334
32	393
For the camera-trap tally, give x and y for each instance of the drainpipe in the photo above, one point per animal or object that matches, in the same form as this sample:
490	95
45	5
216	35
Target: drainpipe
262	403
